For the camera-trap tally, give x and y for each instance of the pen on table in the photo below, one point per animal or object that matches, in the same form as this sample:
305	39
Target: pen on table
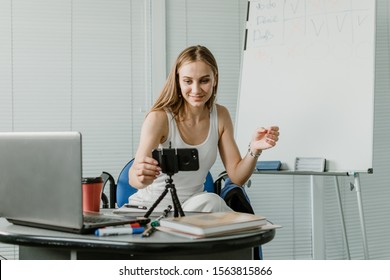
131	225
150	230
112	231
135	225
135	206
156	222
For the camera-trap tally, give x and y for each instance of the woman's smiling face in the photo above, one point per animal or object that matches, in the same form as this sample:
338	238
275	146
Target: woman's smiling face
197	81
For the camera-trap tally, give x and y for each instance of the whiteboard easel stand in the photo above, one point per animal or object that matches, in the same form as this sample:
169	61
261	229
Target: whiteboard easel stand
361	213
342	216
336	175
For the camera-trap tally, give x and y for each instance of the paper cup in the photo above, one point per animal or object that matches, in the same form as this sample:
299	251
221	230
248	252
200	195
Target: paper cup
92	192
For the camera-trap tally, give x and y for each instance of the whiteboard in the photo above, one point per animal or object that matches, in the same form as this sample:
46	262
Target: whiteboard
308	67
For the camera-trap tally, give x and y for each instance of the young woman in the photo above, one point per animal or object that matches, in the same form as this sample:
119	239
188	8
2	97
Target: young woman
185	115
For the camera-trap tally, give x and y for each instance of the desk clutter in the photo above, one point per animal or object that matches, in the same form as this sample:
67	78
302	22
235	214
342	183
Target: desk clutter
203	225
196	225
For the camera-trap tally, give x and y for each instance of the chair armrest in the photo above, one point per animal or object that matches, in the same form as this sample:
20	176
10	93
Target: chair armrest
107	177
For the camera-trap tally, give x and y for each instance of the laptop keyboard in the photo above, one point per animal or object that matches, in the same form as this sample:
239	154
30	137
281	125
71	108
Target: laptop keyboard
98	219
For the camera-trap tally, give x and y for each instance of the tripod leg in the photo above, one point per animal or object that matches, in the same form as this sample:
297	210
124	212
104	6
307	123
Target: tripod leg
178	211
156	203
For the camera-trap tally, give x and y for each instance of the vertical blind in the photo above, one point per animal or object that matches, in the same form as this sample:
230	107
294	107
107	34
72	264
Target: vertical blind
77	65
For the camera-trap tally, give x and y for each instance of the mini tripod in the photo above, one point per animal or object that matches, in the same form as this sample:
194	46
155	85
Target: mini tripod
176	203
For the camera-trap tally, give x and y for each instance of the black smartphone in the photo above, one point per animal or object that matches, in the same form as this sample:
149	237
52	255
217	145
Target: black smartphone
172	160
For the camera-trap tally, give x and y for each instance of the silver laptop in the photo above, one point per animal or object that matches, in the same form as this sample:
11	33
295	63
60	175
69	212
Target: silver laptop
40	183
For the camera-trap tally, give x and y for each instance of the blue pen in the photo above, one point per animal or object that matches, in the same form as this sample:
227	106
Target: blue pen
113	231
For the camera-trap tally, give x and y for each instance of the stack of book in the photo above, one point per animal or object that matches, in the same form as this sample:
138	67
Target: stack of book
214	224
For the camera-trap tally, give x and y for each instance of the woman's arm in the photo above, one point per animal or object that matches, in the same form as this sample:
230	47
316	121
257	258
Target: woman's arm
145	169
240	169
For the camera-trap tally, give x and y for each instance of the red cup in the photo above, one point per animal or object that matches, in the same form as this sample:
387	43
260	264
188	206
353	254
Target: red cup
92	192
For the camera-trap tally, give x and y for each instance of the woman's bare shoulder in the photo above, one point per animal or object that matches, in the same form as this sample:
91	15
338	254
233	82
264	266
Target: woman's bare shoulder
159	116
223	112
156	124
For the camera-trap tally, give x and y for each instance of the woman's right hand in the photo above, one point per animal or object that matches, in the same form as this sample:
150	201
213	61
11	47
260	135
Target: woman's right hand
146	170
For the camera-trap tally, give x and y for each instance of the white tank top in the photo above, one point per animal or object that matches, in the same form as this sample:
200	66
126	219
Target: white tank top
187	183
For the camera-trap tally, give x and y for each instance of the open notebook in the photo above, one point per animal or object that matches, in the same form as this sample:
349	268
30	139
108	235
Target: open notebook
40	183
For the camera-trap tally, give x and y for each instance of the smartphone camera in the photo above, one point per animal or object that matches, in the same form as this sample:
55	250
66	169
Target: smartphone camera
172	161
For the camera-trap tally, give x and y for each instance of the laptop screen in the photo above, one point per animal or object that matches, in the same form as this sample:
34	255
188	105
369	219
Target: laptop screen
40	177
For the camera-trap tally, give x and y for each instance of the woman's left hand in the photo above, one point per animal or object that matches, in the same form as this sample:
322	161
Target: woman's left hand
264	138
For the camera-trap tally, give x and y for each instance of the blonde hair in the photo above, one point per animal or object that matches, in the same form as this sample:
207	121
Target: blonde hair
169	97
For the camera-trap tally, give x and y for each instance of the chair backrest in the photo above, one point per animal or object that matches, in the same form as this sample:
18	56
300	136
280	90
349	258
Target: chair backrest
124	189
209	183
